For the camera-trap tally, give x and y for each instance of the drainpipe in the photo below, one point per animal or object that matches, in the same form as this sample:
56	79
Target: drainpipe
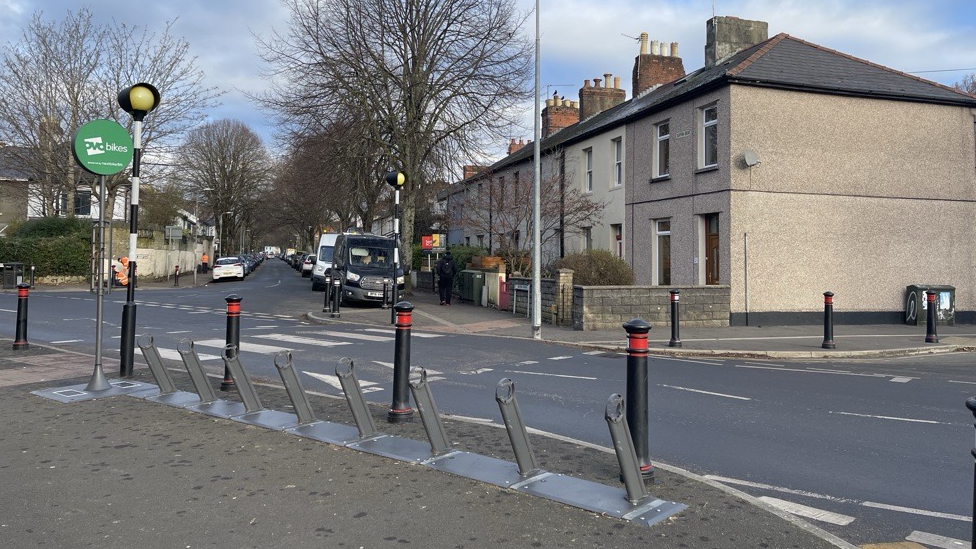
745	262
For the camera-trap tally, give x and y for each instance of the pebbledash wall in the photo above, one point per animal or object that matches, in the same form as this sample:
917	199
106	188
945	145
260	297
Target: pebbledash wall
608	307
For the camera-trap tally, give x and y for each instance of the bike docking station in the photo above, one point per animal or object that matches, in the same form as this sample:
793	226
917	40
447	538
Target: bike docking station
632	503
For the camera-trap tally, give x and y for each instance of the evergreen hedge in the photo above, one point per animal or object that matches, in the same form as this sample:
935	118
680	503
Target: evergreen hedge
56	247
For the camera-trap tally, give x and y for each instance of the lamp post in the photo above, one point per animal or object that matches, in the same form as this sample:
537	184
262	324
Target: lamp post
138	100
220	249
196	231
395	180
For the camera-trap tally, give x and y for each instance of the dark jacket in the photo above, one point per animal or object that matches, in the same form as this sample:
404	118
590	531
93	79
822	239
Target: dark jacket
446	268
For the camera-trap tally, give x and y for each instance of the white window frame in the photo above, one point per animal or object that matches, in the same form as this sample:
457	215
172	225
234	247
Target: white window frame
618	161
662	142
658	233
708	128
588	173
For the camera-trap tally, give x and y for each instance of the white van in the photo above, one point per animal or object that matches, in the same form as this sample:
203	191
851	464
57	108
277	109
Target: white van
323	263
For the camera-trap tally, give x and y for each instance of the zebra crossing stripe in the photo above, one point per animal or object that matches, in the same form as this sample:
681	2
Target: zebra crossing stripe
333	381
173	354
351	335
301	340
244	346
412	333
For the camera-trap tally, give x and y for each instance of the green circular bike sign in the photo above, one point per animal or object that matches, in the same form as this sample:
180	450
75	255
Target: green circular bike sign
102	147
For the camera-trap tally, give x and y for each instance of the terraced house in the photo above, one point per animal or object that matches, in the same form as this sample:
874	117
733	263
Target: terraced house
778	171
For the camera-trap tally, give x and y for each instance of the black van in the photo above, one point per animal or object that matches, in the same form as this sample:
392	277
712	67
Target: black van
363	261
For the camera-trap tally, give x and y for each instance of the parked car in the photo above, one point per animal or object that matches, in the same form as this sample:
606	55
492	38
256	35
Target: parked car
323	263
308	265
228	267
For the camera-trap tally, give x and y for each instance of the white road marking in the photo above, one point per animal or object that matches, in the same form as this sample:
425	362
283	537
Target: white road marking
474	372
809	371
9	310
244	346
594	352
352	335
808	512
704	392
527	362
937	541
710	363
180	332
333	381
302	340
390	366
966	382
391	332
173	354
908	419
726	480
922	512
901	379
559	357
549	375
66	341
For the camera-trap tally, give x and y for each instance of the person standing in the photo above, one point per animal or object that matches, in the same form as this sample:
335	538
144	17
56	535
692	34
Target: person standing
446	269
204	261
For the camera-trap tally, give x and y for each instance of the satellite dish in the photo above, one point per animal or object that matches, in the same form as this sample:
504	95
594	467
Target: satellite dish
750	157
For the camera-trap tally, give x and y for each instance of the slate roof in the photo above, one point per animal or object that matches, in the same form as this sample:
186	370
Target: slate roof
783	62
11	168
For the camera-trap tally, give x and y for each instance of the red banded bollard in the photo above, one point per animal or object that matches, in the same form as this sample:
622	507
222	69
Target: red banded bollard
675	319
233	335
930	331
636	399
20	341
400	411
828	341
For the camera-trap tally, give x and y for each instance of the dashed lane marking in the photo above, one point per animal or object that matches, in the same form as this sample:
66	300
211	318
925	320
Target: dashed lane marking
549	375
704	392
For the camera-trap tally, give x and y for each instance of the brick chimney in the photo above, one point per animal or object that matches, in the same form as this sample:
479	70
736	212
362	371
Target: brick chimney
655	66
558	114
471	171
596	99
513	146
727	36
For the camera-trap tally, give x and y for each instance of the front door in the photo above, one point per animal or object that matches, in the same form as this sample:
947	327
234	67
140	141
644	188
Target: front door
711	249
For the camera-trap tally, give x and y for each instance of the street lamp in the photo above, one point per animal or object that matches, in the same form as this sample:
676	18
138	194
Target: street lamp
196	232
220	249
138	100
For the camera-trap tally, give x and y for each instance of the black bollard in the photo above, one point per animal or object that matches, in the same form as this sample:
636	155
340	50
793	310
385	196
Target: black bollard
20	341
33	268
400	411
233	336
971	404
930	335
336	295
828	341
176	276
675	319
386	287
637	392
326	305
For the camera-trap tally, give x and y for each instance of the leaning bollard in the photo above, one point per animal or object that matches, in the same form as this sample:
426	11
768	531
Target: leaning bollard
828	341
637	391
400	410
675	319
20	341
930	335
233	336
623	446
336	295
176	276
524	457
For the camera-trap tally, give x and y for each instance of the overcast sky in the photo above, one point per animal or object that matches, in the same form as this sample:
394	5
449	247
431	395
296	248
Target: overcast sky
934	39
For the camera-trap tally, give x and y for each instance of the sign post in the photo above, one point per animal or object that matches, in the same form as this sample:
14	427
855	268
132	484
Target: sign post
102	147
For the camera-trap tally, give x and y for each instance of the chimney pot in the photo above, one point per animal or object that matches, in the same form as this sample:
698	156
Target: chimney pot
643	43
586	83
674	49
655	47
596	82
616	82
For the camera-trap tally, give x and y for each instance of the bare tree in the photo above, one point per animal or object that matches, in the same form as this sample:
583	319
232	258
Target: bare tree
968	84
61	75
501	209
226	163
436	80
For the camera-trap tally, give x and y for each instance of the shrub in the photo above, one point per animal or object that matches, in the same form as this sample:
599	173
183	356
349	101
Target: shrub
48	227
597	268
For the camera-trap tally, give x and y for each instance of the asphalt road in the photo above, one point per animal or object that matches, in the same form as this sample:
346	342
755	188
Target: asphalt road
879	445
